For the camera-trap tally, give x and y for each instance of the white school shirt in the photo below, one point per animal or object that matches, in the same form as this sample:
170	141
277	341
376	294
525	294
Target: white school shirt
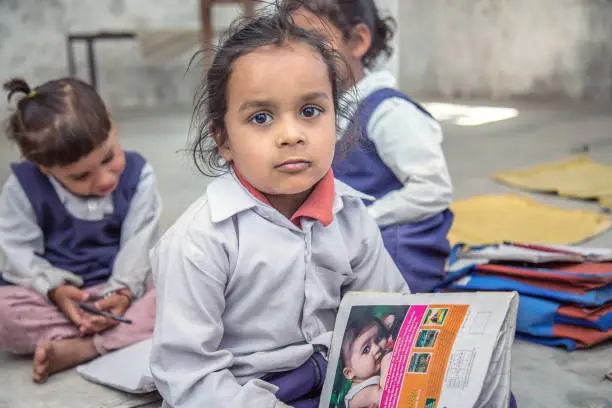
409	143
21	239
242	291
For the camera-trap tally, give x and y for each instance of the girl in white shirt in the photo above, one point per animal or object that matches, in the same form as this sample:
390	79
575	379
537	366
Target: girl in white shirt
400	160
78	217
250	277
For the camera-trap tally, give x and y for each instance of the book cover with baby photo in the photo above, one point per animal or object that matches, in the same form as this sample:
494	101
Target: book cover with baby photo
422	351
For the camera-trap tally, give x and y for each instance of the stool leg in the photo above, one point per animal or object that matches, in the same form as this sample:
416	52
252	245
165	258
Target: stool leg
249	8
207	31
70	57
91	60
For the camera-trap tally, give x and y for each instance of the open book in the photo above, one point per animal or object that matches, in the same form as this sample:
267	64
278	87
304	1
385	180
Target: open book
535	253
421	350
432	350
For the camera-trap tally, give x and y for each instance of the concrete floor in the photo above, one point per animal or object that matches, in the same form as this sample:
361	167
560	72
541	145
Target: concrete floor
542	377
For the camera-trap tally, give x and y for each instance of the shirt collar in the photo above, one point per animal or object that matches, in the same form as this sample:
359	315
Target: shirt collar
373	81
318	206
320	202
230	194
63	194
66	197
83	207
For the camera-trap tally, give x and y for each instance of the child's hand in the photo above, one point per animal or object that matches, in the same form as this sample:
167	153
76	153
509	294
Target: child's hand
388	321
66	298
116	304
384	368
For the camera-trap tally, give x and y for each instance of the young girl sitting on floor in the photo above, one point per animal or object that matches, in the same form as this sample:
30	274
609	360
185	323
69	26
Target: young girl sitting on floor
78	217
250	277
400	160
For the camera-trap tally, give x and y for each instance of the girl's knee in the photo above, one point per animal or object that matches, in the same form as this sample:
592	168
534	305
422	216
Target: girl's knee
16	301
9	305
143	310
13	337
17	317
145	306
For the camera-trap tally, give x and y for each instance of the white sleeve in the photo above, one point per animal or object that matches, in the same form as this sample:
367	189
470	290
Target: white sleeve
409	143
373	268
189	369
139	232
22	243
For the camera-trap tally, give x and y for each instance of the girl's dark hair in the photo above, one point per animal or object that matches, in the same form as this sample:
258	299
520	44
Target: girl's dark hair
58	122
270	27
346	14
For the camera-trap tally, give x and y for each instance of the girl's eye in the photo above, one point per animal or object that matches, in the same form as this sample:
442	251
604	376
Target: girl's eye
80	177
261	118
366	350
109	158
310	112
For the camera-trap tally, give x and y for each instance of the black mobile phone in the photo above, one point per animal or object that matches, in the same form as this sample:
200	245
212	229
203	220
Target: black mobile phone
91	309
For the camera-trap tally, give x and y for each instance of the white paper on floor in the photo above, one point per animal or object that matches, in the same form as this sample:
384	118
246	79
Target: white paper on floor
126	369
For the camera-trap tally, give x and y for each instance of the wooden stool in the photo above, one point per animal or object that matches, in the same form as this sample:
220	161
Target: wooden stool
206	23
90	40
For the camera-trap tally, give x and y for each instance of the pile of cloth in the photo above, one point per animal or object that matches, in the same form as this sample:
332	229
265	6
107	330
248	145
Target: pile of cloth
565	292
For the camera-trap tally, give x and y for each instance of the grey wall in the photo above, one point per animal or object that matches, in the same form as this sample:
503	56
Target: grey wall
391	8
491	48
503	48
32	45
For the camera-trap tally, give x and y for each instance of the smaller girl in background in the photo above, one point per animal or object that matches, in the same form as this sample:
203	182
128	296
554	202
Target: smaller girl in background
251	276
78	217
400	161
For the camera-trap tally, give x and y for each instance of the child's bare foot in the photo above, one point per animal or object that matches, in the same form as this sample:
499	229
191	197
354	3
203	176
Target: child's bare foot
52	356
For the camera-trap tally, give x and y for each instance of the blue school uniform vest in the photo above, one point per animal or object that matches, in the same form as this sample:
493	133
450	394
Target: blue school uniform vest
419	249
85	248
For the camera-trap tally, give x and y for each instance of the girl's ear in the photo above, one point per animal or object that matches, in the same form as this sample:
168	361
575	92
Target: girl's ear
44	170
223	144
348	373
113	128
359	41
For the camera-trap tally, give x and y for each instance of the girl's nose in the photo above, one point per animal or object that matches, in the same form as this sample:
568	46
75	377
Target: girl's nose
290	134
106	179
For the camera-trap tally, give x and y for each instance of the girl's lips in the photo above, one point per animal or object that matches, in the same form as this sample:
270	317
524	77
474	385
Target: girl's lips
107	190
293	166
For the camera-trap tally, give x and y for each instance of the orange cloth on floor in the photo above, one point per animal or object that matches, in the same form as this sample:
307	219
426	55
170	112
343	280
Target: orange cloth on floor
576	177
491	219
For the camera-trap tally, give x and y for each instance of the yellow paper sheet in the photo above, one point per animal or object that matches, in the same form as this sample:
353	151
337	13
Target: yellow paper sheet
493	219
605	201
576	177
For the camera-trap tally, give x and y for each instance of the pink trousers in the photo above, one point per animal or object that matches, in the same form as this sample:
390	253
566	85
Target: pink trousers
26	318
